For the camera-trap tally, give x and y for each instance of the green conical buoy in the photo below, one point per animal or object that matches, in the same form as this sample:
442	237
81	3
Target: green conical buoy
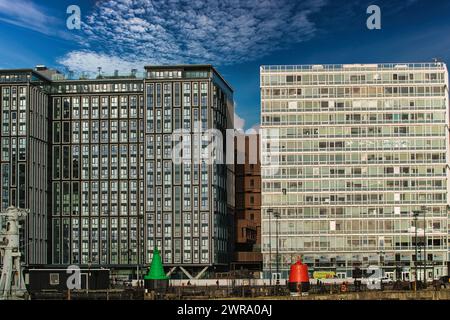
156	271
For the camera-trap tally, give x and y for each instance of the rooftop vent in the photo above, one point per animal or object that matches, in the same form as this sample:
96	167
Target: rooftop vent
41	67
359	65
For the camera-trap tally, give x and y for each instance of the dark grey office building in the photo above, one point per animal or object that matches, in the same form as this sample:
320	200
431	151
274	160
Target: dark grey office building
188	206
24	157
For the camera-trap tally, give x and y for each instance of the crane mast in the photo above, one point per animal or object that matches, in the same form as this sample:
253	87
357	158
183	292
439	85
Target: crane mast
12	284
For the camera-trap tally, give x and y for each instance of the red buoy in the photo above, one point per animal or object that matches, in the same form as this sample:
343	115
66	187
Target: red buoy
298	278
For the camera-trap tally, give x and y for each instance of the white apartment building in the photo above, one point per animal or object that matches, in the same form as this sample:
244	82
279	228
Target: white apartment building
362	170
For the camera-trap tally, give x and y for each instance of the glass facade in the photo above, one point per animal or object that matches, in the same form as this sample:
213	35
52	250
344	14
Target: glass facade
185	203
23	159
97	173
101	150
361	149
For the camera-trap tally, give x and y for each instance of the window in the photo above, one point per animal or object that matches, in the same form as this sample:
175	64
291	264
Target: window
85	108
57	132
57	109
95	107
54	279
66	108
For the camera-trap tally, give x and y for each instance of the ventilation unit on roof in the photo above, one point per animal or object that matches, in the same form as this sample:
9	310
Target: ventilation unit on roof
359	65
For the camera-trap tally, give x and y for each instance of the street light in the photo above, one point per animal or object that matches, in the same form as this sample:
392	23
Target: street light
130	251
415	215
269	212
425	259
277	216
284	191
89	276
381	262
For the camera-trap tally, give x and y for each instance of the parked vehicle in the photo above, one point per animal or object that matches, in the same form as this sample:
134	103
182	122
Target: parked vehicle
443	282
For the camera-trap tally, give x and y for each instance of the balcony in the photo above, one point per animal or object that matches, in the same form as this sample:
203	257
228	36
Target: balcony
246	231
248	257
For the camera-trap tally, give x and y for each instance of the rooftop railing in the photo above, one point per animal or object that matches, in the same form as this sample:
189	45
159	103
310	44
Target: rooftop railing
353	67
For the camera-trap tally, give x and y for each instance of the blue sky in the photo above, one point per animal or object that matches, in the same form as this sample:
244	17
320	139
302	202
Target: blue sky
235	36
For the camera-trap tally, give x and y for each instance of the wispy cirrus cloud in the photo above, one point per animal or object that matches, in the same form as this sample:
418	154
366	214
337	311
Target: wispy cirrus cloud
137	32
25	14
28	15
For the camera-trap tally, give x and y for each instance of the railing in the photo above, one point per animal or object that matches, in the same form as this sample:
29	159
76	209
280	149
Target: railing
352	67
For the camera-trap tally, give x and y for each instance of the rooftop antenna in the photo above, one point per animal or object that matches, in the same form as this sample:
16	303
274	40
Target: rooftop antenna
437	61
116	73
99	69
133	73
68	73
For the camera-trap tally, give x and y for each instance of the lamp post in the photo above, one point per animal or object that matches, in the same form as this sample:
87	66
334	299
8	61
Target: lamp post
415	215
137	265
130	251
425	259
285	202
269	212
381	262
89	276
277	216
134	252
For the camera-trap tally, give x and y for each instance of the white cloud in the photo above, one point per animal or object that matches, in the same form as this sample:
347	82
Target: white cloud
239	123
192	31
256	127
86	61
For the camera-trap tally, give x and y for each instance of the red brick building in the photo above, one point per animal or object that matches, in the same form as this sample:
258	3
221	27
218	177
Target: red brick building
247	254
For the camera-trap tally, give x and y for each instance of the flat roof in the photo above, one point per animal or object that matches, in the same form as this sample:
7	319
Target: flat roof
178	66
354	67
189	67
36	73
105	79
184	67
